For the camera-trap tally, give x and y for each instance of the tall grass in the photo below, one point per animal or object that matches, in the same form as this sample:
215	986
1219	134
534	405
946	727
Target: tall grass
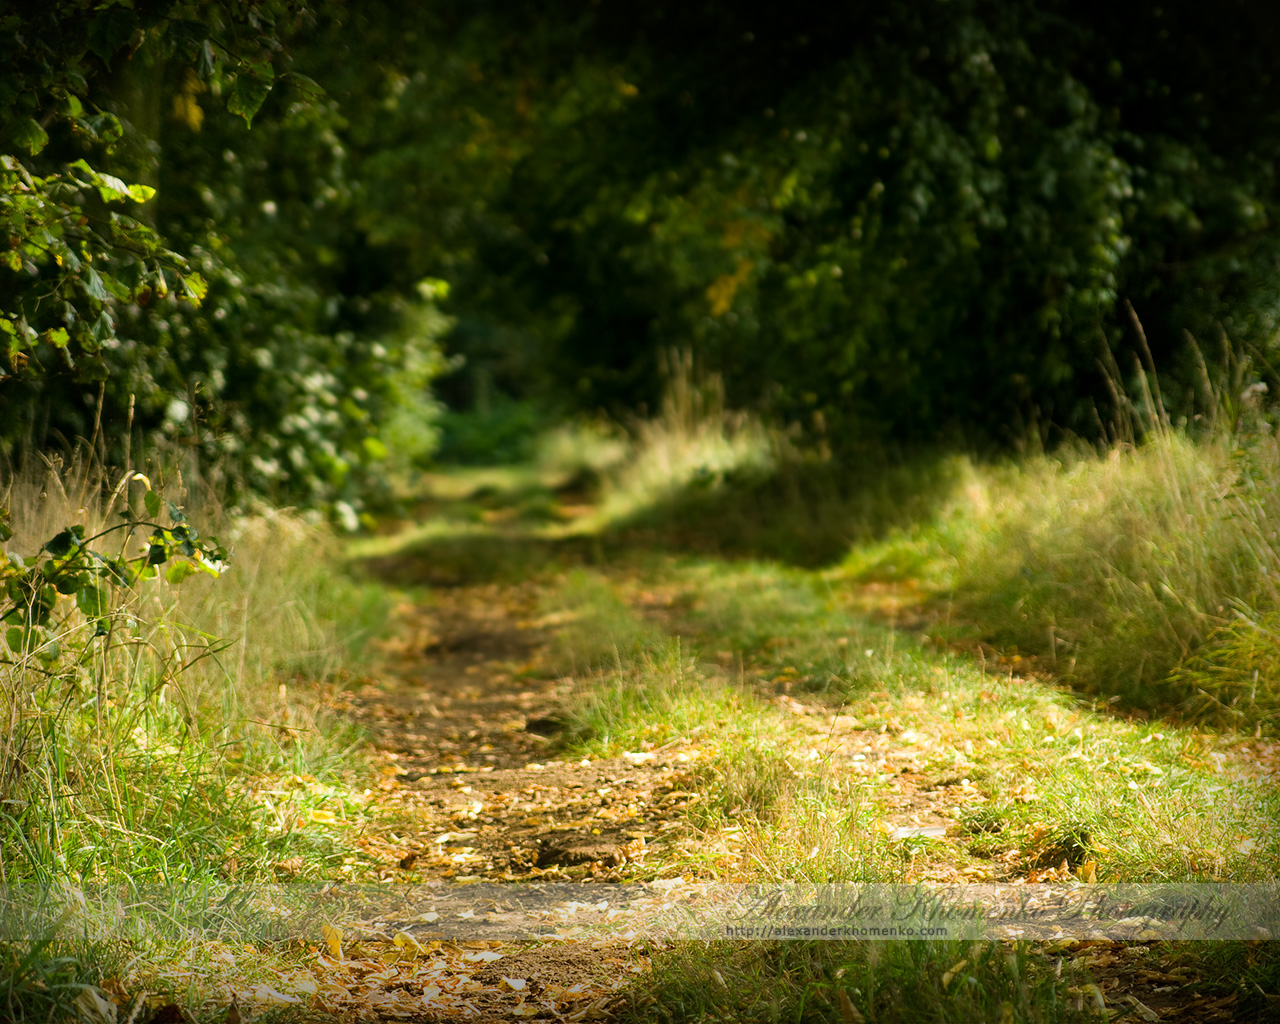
137	754
1149	571
693	441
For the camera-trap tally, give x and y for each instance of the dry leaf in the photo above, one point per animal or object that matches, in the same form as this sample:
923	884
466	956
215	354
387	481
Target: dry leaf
333	940
266	994
1140	1008
94	1007
515	984
849	1013
403	940
114	989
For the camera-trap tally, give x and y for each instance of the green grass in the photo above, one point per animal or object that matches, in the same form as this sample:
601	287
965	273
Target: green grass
851	982
1145	573
191	745
1045	776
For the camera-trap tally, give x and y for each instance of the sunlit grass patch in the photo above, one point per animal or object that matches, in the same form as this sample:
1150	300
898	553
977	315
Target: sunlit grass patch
596	629
1146	573
693	443
1027	777
140	755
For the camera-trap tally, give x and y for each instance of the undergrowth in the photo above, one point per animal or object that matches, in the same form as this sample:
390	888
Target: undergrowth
170	731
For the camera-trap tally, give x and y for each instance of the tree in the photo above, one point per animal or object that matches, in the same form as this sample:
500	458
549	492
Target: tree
248	346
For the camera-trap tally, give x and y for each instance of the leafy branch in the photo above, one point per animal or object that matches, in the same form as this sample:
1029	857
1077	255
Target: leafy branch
71	565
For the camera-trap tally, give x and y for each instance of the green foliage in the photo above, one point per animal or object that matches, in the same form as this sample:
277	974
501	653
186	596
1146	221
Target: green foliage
138	707
250	347
60	309
883	222
69	565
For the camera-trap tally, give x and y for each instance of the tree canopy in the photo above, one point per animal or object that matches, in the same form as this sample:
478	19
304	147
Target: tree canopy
231	223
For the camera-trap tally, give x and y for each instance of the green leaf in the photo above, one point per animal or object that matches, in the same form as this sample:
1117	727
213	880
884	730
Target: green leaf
94	286
141	193
111	31
194	288
112	188
28	134
251	88
49	650
93	600
66	542
157	554
93	371
153	503
310	89
179	571
58	337
207	62
69	583
6	531
16	638
104	127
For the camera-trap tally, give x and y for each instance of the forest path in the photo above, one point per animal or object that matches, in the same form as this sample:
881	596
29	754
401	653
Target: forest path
951	768
462	720
464	717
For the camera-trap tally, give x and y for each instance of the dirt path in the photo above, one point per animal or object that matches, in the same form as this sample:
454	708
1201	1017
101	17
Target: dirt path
464	723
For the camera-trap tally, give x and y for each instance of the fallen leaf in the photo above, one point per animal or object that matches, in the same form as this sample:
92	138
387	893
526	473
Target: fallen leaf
403	940
515	984
266	994
333	940
1140	1008
114	989
94	1007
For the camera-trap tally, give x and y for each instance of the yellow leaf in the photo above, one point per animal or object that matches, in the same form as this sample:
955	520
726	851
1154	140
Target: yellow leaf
1088	871
323	817
333	940
406	941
